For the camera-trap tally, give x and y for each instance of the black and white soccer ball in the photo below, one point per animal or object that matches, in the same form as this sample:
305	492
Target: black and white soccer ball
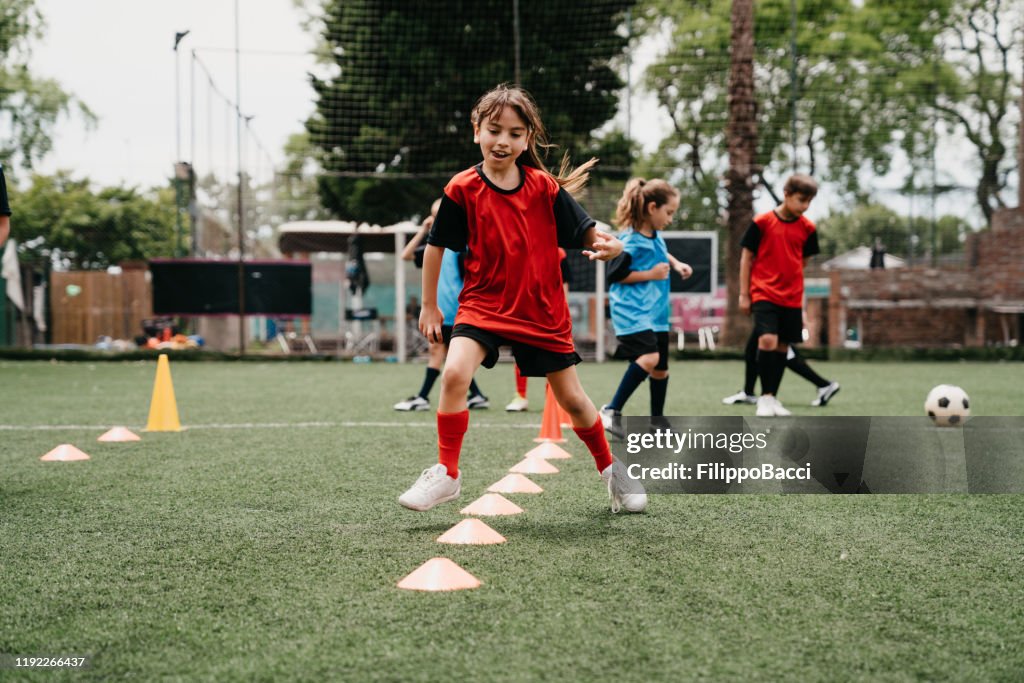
948	405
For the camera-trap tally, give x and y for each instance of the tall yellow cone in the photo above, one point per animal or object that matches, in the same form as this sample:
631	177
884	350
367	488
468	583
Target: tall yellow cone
163	409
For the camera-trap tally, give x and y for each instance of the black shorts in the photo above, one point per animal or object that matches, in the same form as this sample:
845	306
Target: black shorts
532	361
446	334
787	323
632	346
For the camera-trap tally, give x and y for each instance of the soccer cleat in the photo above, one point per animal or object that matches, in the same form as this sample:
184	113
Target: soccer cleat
739	397
518	405
825	394
626	493
769	406
413	403
478	402
432	488
612	422
780	410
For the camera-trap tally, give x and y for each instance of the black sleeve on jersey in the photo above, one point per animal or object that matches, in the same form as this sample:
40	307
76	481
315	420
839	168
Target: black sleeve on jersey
460	259
451	227
571	220
417	255
619	267
751	238
5	208
811	245
563	265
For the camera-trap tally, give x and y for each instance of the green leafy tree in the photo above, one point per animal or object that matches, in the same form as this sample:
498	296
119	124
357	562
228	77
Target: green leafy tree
392	123
62	219
29	106
901	236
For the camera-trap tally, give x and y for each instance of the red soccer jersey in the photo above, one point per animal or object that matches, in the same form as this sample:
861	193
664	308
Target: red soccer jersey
513	285
779	247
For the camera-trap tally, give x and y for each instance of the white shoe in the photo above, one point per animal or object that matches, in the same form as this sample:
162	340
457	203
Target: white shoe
413	403
740	397
612	421
626	493
432	488
478	402
780	410
825	394
518	405
769	406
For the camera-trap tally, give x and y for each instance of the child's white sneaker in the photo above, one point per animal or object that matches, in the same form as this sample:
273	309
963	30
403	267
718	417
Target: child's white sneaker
432	488
739	397
518	405
413	403
626	493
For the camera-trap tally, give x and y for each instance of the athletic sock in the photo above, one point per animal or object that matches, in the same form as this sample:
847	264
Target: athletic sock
428	381
798	365
520	382
750	365
474	390
659	388
596	442
451	427
631	379
771	365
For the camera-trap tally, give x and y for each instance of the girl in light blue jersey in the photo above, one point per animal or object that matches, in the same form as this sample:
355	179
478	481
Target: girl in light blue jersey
639	293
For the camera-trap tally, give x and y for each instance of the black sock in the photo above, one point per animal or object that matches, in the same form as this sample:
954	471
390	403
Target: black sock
771	365
750	365
631	379
798	365
659	388
474	390
428	381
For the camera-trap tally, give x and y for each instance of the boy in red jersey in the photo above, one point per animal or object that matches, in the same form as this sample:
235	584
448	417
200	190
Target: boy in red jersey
776	247
510	215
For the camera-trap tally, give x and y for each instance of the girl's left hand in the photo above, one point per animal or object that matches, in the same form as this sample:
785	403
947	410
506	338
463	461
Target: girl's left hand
604	248
684	270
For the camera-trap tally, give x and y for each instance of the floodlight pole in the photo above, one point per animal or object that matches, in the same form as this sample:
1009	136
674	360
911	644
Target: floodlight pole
241	214
517	42
178	36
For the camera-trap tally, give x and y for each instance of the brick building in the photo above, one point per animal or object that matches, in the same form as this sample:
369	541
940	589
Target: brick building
977	304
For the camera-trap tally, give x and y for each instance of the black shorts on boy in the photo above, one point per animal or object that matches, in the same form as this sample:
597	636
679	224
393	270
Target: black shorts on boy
787	323
532	361
632	346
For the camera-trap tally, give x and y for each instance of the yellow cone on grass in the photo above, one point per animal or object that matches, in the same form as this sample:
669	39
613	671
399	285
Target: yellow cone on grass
163	409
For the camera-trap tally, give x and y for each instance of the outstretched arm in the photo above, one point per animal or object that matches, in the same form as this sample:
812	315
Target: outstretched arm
600	246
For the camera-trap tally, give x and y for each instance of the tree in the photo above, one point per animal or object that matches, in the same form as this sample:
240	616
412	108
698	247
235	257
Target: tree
29	106
901	236
392	123
60	218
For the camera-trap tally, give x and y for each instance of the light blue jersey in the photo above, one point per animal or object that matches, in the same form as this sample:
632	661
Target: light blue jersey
449	286
642	305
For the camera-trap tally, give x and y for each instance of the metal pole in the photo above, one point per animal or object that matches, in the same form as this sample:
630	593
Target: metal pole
599	276
794	91
178	36
516	40
629	73
241	208
193	218
400	323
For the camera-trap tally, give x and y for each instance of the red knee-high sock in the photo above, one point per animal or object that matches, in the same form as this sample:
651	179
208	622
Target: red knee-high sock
597	443
520	383
451	427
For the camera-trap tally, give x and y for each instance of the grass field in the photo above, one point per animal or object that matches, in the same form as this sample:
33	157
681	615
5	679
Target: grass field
264	541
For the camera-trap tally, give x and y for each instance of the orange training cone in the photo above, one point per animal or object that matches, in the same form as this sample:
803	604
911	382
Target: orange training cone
491	505
534	466
514	483
548	451
439	574
550	430
163	410
119	434
64	453
471	532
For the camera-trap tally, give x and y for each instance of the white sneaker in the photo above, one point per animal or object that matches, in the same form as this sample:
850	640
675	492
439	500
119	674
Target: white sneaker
780	410
413	403
432	488
740	397
612	421
769	406
518	405
825	394
478	402
626	493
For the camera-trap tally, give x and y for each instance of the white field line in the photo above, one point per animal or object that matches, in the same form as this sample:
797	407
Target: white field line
267	425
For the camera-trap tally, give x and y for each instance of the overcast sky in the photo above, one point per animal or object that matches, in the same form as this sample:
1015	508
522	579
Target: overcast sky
117	56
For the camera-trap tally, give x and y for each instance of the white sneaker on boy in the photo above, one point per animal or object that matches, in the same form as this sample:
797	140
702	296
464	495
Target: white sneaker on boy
769	406
740	397
626	493
478	402
518	405
612	422
825	394
413	403
432	488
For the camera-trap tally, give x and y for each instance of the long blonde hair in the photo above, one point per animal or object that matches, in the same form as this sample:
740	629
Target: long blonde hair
490	105
632	206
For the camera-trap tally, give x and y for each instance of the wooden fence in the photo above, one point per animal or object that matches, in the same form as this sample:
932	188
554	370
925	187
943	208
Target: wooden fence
86	305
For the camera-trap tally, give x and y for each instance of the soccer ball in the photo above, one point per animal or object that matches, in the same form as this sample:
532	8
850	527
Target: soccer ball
947	405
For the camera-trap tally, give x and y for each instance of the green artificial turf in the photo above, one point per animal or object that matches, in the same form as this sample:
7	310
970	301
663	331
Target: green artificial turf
264	541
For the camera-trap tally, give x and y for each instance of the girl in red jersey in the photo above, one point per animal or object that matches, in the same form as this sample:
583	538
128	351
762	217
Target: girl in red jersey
509	214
